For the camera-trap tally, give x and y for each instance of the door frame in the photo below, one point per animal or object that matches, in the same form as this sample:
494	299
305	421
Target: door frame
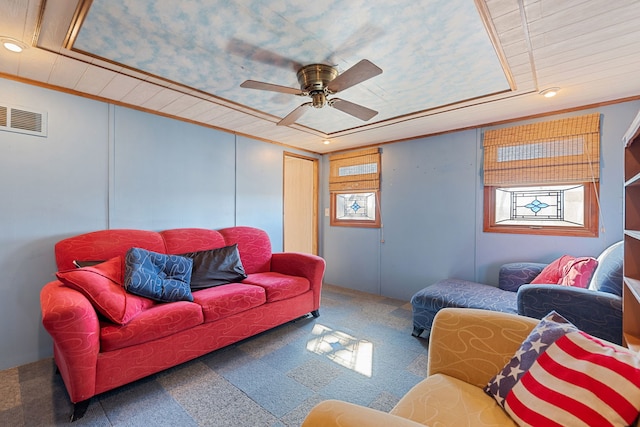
316	195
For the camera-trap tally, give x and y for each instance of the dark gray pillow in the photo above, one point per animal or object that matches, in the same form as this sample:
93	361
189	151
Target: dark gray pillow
216	267
82	264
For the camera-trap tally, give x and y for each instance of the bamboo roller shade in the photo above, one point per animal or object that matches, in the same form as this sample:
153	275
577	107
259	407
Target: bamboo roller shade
553	152
357	170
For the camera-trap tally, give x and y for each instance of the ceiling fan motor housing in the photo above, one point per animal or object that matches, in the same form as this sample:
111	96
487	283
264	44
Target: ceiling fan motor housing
316	77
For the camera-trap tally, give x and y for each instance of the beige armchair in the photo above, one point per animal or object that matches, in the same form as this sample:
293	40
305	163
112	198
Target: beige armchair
467	348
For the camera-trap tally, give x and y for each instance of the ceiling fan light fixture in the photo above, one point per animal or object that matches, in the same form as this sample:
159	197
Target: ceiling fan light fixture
12	44
318	99
550	92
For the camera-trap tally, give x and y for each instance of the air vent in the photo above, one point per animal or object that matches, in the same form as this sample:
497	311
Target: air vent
23	120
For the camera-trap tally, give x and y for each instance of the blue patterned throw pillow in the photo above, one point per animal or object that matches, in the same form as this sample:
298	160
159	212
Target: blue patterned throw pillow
547	331
158	276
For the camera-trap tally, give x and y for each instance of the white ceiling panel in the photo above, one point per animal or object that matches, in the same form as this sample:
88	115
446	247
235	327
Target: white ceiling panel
196	110
119	87
179	105
161	99
9	62
94	80
36	64
67	72
142	93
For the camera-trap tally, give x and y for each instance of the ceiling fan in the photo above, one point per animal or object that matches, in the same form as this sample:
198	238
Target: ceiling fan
319	81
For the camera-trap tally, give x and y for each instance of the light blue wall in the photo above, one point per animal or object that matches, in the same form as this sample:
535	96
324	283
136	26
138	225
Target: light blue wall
105	166
429	213
49	188
260	183
432	212
169	174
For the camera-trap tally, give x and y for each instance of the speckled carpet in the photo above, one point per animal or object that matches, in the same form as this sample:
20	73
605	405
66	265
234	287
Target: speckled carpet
360	350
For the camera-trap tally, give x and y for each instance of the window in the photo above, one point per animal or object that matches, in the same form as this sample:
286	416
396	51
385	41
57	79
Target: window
355	208
354	187
543	178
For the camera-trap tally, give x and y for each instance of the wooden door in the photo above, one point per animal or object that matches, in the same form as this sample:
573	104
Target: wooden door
300	204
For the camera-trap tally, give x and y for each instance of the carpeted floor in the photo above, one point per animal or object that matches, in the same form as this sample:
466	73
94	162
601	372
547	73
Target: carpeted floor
360	350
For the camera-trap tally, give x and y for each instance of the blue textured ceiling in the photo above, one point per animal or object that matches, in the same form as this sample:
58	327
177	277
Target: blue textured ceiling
433	53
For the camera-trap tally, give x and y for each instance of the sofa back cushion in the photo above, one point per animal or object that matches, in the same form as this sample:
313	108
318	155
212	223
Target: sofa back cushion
103	245
608	275
184	240
254	246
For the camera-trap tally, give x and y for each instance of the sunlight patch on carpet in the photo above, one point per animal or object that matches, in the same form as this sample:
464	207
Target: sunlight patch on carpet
343	349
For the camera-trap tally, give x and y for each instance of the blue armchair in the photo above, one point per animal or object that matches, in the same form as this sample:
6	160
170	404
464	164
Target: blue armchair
596	310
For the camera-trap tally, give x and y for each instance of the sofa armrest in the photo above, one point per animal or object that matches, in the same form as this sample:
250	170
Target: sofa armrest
596	313
473	345
303	265
335	413
515	274
73	324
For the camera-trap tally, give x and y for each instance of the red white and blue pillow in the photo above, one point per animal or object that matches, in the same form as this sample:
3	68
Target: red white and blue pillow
579	380
561	376
546	332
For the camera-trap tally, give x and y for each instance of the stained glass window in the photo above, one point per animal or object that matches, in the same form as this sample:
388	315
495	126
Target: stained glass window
545	205
357	206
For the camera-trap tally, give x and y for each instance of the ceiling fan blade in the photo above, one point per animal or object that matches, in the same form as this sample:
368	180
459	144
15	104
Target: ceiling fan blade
294	115
356	110
259	54
252	84
353	45
360	72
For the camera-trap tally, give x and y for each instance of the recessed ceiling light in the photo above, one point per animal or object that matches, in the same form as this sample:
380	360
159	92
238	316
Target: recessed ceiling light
12	44
326	142
549	92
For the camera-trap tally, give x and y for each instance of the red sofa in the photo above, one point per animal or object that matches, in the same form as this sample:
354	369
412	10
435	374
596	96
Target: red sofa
94	355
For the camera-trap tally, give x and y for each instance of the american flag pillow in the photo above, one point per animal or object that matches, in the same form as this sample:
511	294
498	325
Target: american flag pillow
545	333
578	381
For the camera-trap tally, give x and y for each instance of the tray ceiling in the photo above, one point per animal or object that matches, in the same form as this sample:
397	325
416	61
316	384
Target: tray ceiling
213	46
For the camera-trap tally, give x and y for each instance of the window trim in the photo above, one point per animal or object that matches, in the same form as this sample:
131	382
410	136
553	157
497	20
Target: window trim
334	221
591	217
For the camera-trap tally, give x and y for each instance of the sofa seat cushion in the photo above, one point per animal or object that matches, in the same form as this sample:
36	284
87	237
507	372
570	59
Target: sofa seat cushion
223	301
159	321
447	401
279	286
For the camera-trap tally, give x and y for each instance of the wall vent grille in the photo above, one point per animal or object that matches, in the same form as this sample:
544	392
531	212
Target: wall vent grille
23	120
